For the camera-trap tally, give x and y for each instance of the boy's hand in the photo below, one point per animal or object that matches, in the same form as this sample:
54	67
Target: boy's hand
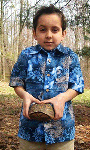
58	103
27	100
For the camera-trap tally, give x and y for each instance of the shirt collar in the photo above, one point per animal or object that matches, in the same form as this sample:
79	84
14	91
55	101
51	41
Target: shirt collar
62	49
59	48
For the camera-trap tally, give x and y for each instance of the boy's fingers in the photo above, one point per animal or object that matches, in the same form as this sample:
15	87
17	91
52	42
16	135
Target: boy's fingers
25	111
46	101
25	114
57	116
58	113
36	100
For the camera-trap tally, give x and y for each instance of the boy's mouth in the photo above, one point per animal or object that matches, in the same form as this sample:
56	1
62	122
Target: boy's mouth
48	43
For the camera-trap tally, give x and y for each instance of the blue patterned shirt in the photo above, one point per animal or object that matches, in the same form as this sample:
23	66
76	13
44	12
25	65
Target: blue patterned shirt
45	74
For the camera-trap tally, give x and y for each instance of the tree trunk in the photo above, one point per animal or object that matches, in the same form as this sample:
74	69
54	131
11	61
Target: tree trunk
2	44
21	27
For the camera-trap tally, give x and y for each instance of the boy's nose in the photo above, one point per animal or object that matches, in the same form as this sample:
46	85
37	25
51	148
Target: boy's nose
48	34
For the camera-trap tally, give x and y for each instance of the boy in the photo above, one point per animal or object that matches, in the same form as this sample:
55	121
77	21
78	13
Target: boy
47	73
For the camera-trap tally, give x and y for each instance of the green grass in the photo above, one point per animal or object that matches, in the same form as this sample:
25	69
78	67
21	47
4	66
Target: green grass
6	89
83	99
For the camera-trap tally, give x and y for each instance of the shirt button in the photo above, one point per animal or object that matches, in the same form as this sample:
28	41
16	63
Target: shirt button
48	75
47	90
49	60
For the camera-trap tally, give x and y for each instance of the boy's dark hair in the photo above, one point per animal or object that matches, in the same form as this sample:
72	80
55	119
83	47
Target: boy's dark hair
49	10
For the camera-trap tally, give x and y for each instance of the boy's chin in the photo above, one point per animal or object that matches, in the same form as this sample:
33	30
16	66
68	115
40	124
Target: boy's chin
48	48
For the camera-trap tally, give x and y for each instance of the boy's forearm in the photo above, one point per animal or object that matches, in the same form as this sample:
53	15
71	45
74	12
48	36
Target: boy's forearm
20	92
68	95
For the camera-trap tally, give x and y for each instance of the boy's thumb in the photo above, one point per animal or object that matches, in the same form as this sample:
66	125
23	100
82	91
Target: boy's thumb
37	101
46	101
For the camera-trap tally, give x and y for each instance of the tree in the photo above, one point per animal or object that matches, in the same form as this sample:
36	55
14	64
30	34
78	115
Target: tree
16	26
2	42
8	35
82	19
26	12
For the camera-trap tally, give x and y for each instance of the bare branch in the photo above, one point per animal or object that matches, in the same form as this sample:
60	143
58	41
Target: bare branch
66	4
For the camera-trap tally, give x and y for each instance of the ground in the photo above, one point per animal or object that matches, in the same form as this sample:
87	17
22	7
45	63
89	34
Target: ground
10	106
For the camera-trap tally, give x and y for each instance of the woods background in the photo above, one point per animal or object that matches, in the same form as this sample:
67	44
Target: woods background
16	18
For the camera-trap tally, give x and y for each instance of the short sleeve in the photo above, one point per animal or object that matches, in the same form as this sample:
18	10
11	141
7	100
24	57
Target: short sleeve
76	80
19	71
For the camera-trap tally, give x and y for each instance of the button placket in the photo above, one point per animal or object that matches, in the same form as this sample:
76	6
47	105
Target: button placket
49	60
48	73
47	90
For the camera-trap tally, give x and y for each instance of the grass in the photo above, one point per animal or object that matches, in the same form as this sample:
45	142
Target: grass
6	89
83	99
9	99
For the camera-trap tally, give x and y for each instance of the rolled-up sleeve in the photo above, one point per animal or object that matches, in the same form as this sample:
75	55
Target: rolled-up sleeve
19	71
76	80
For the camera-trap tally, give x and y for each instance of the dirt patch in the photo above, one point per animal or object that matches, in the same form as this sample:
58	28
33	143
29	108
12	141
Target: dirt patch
82	126
10	107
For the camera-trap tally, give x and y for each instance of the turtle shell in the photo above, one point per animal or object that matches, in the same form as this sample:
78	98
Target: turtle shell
41	112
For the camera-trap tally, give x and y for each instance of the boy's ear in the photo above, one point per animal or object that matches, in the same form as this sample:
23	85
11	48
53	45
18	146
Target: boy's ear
64	34
34	34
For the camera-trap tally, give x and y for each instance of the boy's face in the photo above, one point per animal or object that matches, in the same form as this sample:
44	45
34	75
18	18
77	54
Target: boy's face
49	31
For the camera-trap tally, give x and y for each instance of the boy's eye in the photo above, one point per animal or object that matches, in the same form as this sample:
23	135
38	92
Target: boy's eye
55	30
43	29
